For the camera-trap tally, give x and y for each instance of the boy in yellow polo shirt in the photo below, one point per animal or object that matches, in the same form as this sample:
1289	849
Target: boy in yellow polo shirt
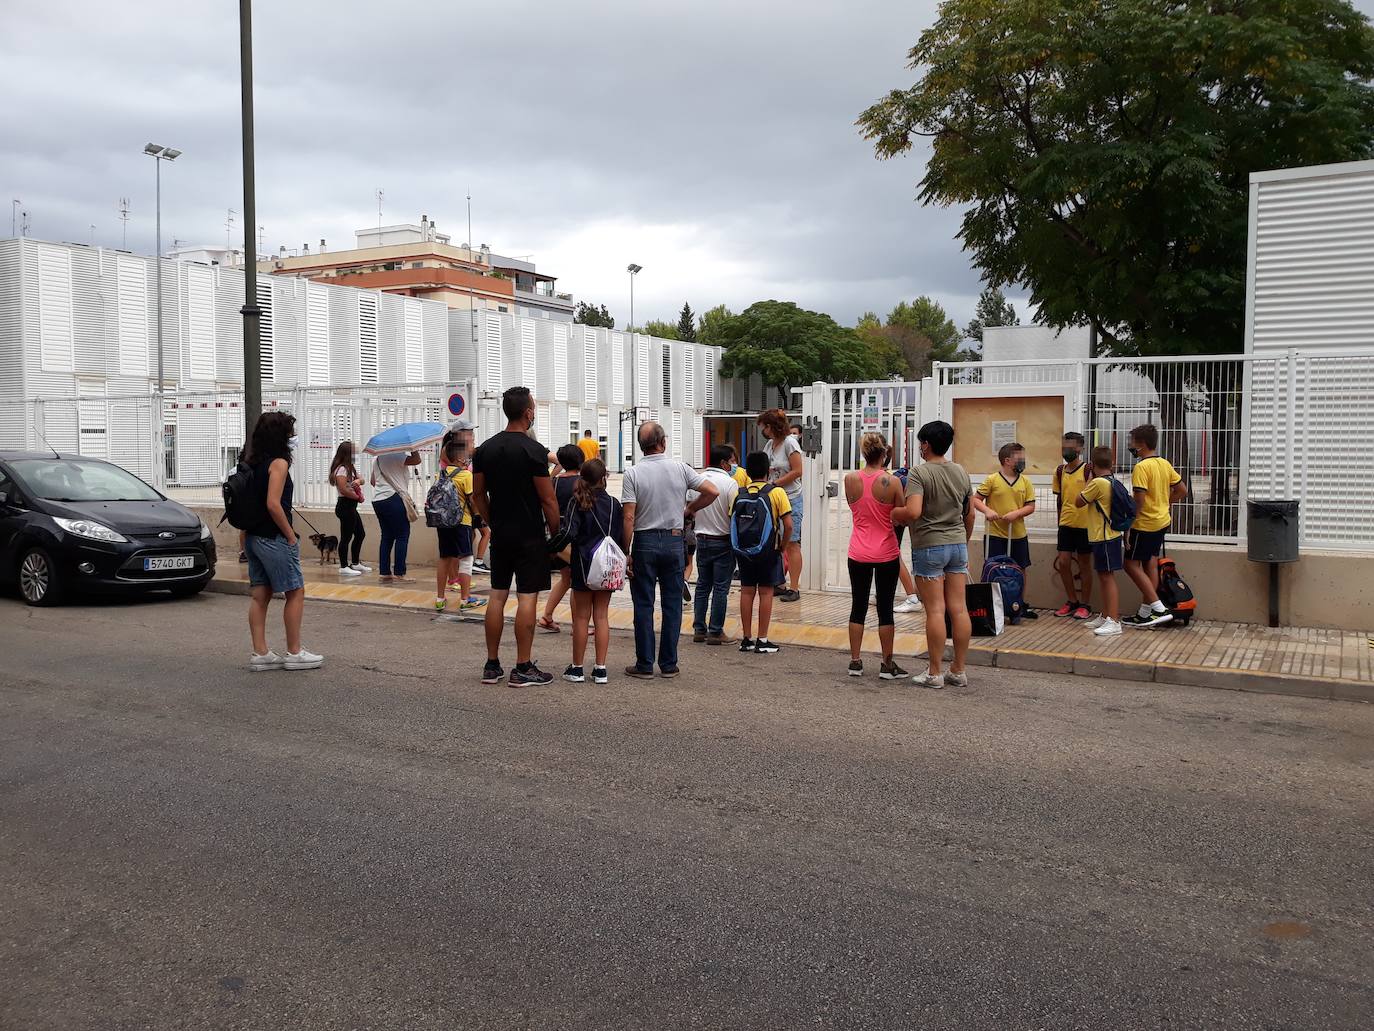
1095	502
1074	545
759	574
1156	485
1005	498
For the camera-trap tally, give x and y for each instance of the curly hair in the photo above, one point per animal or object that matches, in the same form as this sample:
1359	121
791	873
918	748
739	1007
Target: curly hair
774	422
271	435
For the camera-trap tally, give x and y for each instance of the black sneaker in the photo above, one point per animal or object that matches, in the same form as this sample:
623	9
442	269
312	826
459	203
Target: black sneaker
788	595
892	671
480	566
686	593
856	668
764	646
746	645
1145	622
574	675
1030	613
600	676
530	676
492	672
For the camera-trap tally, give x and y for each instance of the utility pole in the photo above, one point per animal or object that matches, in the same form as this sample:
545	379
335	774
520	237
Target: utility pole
14	216
124	217
252	314
469	219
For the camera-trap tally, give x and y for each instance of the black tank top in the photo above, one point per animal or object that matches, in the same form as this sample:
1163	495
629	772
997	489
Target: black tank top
268	527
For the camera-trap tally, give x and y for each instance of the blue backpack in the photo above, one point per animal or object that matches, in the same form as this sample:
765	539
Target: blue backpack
1001	570
1123	507
751	523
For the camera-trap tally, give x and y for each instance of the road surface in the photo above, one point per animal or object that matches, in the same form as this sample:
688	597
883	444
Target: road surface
763	843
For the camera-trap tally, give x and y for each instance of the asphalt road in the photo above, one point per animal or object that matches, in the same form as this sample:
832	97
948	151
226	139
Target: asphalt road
762	843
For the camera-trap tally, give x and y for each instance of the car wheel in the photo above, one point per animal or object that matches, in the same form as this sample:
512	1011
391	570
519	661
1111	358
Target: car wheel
39	581
188	590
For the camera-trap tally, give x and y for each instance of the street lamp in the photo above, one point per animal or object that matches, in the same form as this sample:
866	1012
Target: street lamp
633	270
159	154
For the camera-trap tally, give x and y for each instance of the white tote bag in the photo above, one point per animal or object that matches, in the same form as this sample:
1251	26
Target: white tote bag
606	570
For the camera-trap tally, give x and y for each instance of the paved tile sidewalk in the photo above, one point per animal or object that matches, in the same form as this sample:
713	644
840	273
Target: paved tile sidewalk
1237	656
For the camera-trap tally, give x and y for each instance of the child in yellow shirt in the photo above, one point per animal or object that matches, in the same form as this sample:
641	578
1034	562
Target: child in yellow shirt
1095	500
1005	498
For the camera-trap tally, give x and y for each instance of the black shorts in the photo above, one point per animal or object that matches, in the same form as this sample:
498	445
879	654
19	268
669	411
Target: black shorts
762	570
454	541
1143	545
524	561
900	531
1018	549
1073	540
1107	555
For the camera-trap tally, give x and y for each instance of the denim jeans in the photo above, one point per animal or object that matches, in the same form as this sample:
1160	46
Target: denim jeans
395	528
715	565
658	562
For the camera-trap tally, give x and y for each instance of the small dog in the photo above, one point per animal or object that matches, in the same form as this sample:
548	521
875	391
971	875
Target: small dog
328	545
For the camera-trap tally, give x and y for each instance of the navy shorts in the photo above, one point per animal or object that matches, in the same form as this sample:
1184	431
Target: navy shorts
1018	548
273	563
454	541
1073	540
761	570
1143	545
1107	555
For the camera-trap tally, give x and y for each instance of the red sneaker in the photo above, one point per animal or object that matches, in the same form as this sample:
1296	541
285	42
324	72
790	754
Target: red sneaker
1082	612
1067	609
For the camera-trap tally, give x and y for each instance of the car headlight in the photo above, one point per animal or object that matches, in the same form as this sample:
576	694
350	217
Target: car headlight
205	534
88	528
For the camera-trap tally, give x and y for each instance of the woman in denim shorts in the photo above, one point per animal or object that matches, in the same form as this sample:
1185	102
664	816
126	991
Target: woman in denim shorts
274	554
937	510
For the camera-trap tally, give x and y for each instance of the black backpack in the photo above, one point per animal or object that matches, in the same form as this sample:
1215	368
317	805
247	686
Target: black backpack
243	506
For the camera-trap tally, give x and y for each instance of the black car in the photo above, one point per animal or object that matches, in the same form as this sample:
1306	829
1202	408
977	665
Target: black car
71	524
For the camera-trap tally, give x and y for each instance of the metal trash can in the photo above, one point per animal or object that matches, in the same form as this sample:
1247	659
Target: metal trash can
1272	531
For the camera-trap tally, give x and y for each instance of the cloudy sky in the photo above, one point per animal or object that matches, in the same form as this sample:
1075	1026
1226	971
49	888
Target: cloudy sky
711	142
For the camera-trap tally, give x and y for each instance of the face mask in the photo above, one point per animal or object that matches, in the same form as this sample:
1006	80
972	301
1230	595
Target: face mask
1070	455
1020	467
1135	452
291	443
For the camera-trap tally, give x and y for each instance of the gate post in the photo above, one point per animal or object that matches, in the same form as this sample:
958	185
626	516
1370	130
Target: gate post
815	481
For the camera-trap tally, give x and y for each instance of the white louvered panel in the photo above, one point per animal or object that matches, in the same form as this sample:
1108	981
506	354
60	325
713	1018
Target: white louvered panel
414	343
666	365
316	335
367	337
617	368
708	362
131	291
675	436
92	419
603	430
559	334
55	309
493	379
689	376
697	453
94	339
589	364
267	356
642	394
528	353
200	323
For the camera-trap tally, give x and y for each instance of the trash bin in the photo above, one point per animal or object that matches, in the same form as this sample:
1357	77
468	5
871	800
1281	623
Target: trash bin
1272	531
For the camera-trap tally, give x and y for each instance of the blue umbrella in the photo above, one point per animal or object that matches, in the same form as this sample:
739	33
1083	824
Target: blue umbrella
406	437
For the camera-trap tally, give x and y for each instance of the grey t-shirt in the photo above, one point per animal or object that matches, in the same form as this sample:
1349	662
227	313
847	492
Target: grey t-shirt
780	463
945	489
657	486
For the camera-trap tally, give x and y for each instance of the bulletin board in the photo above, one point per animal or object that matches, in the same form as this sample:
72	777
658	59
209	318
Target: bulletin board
981	424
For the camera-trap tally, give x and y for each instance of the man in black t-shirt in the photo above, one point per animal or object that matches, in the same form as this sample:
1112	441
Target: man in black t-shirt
512	491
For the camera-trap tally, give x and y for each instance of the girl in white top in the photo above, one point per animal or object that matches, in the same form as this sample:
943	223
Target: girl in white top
785	471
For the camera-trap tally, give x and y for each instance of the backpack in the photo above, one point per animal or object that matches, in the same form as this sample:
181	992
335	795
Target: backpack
1123	507
751	523
243	505
1001	570
443	506
1175	593
606	565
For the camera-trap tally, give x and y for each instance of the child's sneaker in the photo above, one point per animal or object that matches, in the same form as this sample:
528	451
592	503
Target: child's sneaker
530	676
262	663
574	675
440	604
492	672
763	646
600	676
1109	628
349	571
746	645
302	660
931	680
891	671
912	604
1082	612
1067	609
471	603
856	668
1095	622
953	679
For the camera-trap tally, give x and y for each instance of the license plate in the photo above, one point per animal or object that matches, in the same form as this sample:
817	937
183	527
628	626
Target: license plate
153	565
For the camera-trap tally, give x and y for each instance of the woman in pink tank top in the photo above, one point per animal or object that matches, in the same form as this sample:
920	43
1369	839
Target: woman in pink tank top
874	554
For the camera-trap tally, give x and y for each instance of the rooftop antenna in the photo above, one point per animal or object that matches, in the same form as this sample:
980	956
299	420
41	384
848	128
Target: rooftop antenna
261	230
229	230
44	440
379	215
92	234
23	223
14	216
124	217
469	218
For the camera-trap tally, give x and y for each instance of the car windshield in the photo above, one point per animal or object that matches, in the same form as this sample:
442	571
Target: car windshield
76	479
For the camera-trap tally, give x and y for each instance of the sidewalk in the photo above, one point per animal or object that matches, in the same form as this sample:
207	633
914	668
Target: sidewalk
1304	661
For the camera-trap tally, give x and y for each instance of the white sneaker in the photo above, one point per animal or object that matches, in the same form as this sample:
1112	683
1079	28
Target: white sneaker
928	679
302	660
912	604
1096	621
1109	628
359	567
262	663
350	571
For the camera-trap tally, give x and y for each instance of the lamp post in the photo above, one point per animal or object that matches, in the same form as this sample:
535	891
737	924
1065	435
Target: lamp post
252	314
633	270
159	154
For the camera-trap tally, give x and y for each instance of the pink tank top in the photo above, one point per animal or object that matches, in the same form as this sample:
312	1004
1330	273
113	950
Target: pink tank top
873	539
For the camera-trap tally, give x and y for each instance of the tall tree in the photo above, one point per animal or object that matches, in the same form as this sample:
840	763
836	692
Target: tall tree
711	323
789	346
658	328
586	315
929	319
993	310
686	323
1103	150
886	353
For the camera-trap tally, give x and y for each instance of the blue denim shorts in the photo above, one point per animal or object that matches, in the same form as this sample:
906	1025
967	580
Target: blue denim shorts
798	511
274	563
939	559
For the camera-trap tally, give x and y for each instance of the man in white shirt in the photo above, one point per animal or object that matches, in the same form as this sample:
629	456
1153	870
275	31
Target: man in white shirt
654	493
715	554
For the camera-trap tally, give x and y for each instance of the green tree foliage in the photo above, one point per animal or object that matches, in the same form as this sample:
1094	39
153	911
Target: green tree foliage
711	323
686	323
898	351
586	315
789	346
993	310
1103	150
928	318
658	328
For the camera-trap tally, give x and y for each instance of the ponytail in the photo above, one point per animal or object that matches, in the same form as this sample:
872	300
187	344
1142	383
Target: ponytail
590	481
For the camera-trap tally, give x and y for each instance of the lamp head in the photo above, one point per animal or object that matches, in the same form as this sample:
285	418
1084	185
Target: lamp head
154	149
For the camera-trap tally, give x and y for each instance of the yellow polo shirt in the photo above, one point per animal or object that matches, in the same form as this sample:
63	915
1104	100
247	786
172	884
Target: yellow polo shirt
1003	497
1099	492
462	483
777	501
1150	480
590	448
1068	484
741	477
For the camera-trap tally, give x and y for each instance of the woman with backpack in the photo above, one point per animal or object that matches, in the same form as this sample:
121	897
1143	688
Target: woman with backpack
874	554
595	516
343	476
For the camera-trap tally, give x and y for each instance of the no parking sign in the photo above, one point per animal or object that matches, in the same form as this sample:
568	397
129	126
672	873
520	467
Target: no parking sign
456	404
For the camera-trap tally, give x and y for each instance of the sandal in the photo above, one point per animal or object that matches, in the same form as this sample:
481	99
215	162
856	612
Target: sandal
548	626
